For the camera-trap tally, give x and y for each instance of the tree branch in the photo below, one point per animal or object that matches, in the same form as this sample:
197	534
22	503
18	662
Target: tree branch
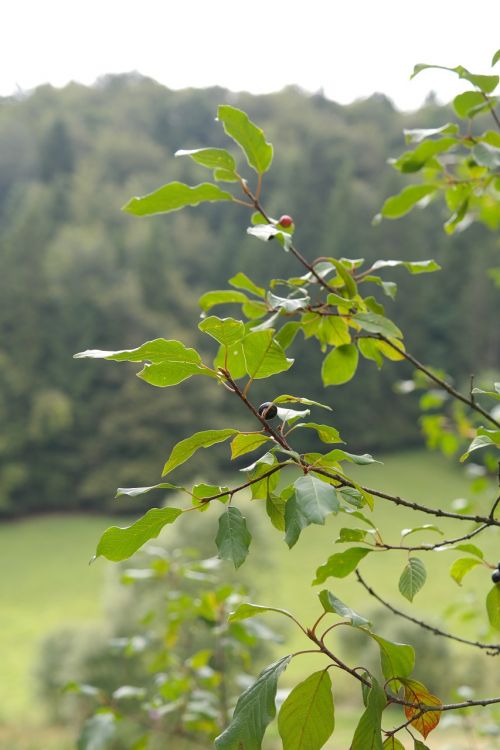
486	520
492	649
429	547
439	381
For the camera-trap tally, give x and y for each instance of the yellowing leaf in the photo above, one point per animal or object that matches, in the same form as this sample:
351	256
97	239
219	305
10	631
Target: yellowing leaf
425	720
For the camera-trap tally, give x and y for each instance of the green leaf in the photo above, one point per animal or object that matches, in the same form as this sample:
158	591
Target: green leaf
212	158
251	139
223	175
462	566
495	58
292	415
399	205
227	331
286	398
339	455
158	350
120	543
370	349
326	433
368	734
306	719
471	549
171	361
413	266
241	281
374	323
467	101
420	134
254	710
396	659
286	335
413	161
222	297
412	578
485	83
287	304
275	509
392	743
202	491
494	394
349	283
332	604
186	448
246	610
245	443
346	534
174	196
340	365
423	527
493	607
313	500
267	232
480	441
340	564
263	355
98	731
419	745
486	156
135	491
233	538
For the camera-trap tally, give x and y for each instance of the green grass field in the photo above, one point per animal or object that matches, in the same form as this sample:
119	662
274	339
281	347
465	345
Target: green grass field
47	583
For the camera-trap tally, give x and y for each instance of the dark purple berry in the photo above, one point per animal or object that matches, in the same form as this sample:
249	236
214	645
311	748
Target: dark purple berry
285	221
495	576
268	410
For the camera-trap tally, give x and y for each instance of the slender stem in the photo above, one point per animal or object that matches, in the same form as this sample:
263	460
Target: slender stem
494	507
259	186
492	649
242	203
445	385
313	629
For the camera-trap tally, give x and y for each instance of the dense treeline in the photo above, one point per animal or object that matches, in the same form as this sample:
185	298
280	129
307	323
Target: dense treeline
76	273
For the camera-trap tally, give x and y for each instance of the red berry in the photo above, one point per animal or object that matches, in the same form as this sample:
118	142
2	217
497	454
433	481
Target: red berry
285	221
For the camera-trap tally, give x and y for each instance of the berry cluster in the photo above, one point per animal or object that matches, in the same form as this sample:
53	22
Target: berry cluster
495	576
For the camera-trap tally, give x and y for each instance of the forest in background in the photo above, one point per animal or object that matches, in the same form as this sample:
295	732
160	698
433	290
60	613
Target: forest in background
76	273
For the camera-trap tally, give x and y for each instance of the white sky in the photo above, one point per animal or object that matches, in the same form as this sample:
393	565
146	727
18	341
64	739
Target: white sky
349	48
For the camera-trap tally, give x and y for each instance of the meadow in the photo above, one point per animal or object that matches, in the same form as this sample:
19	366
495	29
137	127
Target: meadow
46	583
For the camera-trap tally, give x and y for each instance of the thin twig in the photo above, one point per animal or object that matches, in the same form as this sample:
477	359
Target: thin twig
492	649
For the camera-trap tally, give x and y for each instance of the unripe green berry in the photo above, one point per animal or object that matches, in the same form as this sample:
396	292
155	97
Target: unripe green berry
268	410
495	576
285	221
